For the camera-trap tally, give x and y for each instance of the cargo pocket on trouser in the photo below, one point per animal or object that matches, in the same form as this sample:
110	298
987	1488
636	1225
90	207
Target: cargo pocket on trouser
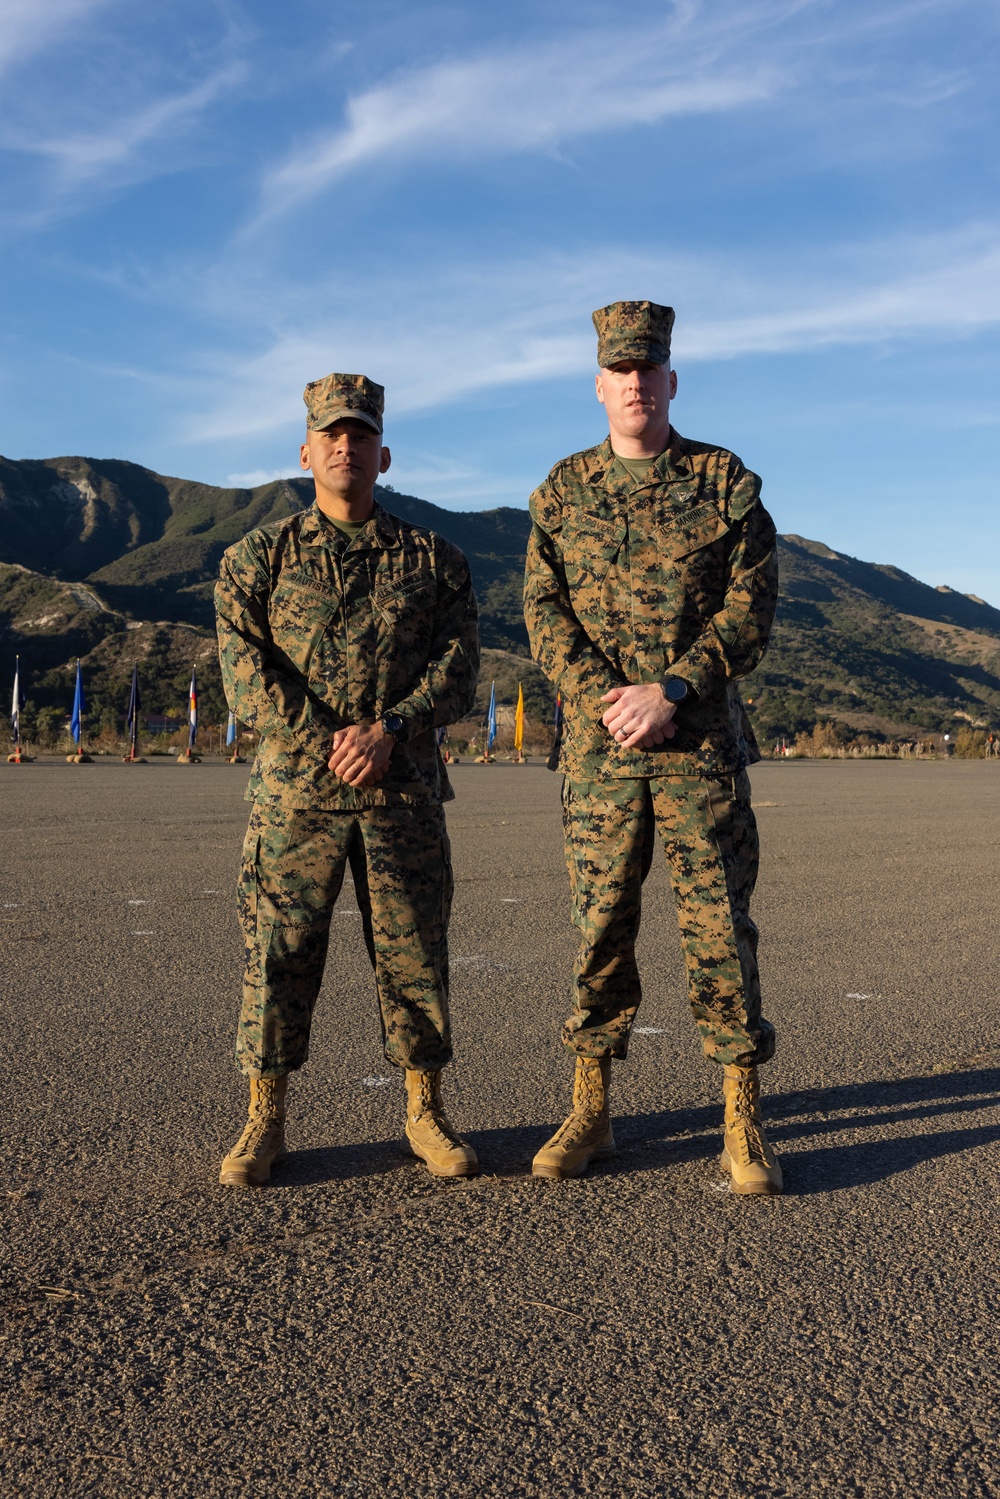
740	1035
410	882
287	896
608	832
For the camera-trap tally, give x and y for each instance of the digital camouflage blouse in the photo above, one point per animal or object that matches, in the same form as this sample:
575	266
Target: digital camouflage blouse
630	582
317	632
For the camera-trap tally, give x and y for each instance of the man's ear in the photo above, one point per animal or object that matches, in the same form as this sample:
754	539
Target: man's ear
385	461
599	387
304	463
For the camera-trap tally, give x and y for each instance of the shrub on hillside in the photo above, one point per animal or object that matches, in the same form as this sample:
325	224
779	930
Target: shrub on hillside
970	743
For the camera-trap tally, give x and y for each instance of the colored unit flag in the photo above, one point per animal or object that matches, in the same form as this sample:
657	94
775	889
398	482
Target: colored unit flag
134	704
192	710
15	707
231	730
491	720
519	720
557	719
79	708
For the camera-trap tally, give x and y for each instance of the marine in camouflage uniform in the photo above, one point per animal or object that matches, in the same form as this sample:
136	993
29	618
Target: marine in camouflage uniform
655	569
347	637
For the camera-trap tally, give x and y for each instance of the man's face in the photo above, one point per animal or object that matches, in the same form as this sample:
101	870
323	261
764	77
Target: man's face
346	458
636	395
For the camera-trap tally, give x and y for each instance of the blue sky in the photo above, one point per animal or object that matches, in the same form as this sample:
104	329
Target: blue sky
207	204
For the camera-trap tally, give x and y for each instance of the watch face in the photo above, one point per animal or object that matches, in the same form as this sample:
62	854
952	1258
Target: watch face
676	690
392	723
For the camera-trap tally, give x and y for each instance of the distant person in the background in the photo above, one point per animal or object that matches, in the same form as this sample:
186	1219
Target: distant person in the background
347	638
651	585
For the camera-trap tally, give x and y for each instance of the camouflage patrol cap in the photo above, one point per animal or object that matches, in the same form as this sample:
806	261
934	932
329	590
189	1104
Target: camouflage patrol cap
633	330
337	396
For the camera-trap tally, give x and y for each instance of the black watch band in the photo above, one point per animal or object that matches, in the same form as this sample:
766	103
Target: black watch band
675	689
395	724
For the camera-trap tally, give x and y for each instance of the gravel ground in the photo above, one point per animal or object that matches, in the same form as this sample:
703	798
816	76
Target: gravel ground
360	1329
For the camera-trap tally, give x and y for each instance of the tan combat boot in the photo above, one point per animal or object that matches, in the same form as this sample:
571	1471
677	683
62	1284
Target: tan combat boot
746	1152
586	1135
262	1143
431	1137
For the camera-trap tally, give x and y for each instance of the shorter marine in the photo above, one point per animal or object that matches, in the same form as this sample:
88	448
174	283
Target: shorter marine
347	639
650	588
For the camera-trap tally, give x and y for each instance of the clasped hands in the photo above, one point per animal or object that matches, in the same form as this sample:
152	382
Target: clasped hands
361	754
640	716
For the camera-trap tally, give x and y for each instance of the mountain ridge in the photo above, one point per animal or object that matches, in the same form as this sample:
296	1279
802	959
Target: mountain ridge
96	548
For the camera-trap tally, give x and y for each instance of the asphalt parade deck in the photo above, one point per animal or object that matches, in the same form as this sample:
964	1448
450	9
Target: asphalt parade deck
360	1329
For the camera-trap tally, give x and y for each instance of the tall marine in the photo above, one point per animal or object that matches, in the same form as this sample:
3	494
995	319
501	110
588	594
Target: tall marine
650	588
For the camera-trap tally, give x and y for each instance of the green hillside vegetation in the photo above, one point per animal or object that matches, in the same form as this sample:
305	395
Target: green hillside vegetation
873	649
108	561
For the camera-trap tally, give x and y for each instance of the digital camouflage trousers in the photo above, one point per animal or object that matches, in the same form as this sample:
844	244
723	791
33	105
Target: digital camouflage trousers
293	868
710	837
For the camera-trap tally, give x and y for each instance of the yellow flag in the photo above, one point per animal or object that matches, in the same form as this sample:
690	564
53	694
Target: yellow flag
519	719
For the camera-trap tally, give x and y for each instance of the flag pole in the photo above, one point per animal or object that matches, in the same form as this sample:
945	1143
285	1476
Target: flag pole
491	727
188	756
233	738
519	727
15	720
132	721
80	757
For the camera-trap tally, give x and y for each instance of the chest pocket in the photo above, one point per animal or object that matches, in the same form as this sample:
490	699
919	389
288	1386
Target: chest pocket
690	532
694	554
304	614
406	603
589	547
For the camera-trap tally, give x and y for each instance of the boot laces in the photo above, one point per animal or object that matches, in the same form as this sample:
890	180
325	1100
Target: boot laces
577	1125
254	1135
437	1122
430	1113
752	1144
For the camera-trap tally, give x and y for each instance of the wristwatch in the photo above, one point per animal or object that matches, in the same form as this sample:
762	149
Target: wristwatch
394	724
675	689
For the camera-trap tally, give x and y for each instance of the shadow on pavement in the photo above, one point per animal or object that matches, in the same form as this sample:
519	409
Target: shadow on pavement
325	1163
839	1166
690	1134
684	1136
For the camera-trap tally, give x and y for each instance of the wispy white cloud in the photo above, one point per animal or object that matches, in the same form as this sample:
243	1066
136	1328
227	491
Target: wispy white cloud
80	156
535	98
449	338
448	480
111	109
257	476
706	57
28	27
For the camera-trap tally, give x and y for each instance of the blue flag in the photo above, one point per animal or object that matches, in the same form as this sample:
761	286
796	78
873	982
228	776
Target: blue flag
491	721
15	707
79	708
231	730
